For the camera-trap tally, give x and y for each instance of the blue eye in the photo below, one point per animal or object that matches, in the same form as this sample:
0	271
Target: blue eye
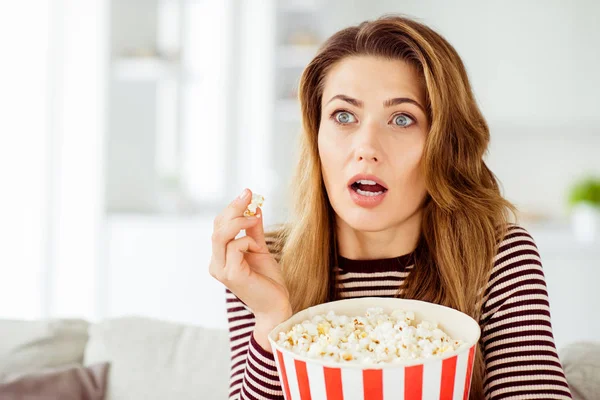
402	121
342	117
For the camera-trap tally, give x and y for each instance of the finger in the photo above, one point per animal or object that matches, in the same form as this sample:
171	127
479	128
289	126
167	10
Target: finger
257	231
226	233
217	222
235	256
237	206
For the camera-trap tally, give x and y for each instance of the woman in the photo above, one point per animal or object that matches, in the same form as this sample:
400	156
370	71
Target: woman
392	198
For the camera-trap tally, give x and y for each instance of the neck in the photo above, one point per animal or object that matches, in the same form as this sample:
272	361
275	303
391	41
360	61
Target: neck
391	242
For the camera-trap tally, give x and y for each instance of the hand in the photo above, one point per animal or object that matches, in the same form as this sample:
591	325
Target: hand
245	265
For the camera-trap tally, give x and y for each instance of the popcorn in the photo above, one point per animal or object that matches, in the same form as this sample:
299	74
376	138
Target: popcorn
376	338
257	201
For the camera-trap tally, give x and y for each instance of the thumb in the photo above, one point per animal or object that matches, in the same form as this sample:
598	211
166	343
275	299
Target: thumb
257	232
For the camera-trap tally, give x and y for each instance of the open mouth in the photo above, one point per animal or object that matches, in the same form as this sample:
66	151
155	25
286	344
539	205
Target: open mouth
368	188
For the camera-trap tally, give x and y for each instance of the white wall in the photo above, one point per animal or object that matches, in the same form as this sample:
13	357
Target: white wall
78	107
537	165
158	267
571	269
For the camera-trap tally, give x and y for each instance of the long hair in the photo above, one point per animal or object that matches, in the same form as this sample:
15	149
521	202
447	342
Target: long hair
464	213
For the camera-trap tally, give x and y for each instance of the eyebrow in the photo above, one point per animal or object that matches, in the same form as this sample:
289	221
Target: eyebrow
388	103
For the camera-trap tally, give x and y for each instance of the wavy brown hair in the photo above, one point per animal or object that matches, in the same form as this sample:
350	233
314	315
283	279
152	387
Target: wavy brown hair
464	214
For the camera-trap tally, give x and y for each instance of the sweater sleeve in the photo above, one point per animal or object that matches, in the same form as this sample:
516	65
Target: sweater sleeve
253	373
521	361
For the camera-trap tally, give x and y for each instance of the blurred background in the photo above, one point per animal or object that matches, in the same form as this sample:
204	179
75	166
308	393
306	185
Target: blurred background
127	125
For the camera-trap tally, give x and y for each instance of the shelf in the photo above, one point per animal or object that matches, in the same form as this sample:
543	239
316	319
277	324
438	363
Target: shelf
145	69
296	56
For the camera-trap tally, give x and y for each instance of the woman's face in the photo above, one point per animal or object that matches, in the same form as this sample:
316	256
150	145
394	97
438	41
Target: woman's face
373	128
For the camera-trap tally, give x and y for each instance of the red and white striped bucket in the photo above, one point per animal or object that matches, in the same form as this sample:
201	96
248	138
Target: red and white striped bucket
447	377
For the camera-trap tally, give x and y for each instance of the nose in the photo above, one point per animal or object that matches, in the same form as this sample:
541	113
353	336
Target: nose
367	147
364	154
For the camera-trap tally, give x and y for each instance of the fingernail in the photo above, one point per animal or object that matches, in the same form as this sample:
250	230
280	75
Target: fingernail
244	194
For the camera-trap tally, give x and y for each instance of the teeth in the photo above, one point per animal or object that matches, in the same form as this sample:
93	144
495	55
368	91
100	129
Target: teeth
370	194
366	182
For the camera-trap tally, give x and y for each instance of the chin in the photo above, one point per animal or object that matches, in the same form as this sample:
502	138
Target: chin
367	222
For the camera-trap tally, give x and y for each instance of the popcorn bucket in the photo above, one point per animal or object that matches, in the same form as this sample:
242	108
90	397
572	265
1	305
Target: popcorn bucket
447	376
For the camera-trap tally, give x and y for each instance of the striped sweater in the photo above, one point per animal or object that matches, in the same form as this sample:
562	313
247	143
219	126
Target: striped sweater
521	360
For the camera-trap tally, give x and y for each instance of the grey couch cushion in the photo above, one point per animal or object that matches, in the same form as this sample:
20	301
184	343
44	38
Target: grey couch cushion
28	346
581	363
151	359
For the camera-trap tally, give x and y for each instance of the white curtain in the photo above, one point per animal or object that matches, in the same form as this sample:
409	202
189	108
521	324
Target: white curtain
23	157
52	103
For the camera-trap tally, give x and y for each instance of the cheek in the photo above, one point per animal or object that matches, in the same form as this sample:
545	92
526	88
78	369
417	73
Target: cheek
409	165
324	157
328	153
332	167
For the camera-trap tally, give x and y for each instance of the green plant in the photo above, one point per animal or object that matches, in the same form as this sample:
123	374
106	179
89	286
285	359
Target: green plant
586	191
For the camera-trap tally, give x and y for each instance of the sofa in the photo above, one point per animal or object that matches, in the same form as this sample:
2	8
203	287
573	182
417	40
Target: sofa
150	359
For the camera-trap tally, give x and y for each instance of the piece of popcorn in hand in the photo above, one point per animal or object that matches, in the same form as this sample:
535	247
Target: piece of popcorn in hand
257	201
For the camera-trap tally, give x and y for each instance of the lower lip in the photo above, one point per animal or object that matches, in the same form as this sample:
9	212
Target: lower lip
366	201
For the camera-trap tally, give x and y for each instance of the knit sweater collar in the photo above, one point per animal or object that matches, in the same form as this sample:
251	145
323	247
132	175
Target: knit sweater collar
394	264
